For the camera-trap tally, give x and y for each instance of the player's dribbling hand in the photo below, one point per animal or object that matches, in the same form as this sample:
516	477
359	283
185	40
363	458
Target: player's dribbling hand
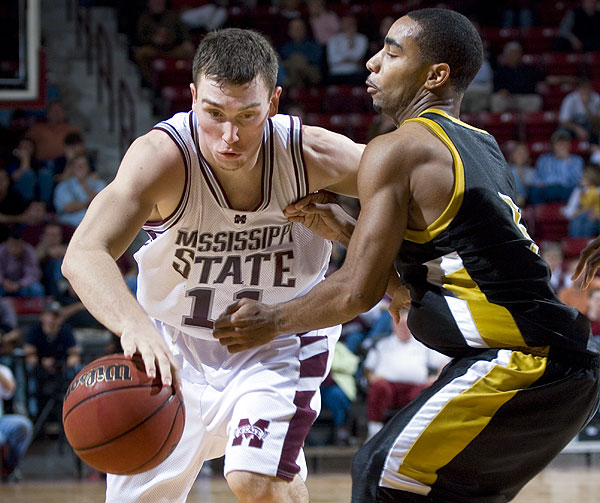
246	324
154	352
588	263
323	215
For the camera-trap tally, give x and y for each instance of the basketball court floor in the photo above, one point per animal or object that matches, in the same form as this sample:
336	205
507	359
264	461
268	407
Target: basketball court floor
566	484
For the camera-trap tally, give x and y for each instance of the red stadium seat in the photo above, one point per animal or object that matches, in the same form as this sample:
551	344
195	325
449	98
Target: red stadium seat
344	99
504	126
175	99
539	126
572	247
568	63
310	98
592	65
553	94
171	72
550	223
497	38
537	39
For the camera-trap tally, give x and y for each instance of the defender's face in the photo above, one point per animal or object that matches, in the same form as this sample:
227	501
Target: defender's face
231	120
397	71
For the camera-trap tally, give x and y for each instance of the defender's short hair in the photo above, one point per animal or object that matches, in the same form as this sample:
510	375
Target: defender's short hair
236	56
449	37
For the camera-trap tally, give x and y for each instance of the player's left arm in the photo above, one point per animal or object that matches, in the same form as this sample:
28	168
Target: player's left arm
363	278
332	160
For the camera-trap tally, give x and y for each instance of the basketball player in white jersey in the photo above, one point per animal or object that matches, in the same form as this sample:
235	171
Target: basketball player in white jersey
210	187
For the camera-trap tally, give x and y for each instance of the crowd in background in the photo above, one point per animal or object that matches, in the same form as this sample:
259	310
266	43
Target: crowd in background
48	177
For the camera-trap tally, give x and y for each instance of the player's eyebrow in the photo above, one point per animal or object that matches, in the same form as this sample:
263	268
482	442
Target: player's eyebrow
218	105
393	42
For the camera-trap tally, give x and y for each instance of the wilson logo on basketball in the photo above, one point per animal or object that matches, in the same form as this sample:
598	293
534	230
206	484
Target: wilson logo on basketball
99	374
256	432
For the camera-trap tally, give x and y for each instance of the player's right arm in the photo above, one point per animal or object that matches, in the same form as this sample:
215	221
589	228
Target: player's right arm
147	186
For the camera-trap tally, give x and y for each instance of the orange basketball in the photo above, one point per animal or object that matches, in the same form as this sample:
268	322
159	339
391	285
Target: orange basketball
118	420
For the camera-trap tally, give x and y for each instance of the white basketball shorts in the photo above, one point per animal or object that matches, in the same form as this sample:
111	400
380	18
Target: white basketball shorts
254	407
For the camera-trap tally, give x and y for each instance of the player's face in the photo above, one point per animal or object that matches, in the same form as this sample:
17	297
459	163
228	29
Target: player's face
397	71
231	120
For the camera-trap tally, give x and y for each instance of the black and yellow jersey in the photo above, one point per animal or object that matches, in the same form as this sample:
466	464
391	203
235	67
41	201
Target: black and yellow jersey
475	275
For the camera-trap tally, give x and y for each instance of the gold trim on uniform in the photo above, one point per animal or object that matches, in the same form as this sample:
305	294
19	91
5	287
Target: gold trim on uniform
423	236
467	414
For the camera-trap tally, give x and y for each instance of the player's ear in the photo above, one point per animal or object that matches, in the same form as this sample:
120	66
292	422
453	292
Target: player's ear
194	93
438	74
274	101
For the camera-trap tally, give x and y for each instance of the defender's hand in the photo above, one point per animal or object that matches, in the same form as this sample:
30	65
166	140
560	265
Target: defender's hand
323	215
246	324
400	299
588	263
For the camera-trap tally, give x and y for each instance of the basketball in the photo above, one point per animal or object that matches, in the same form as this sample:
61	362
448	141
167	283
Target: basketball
118	420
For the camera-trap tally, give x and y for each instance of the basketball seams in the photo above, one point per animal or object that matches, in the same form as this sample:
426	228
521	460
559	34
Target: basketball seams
145	420
159	451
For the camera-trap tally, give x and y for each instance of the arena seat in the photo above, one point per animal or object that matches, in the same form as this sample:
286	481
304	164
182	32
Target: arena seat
310	98
175	99
504	126
550	223
539	126
344	98
563	63
171	72
571	247
497	38
592	66
537	39
553	94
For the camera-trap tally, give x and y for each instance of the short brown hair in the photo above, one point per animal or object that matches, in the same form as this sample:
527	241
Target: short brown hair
236	56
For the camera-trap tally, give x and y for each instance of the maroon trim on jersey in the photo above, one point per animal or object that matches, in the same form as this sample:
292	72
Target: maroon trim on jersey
267	169
296	435
158	223
304	169
296	170
305	341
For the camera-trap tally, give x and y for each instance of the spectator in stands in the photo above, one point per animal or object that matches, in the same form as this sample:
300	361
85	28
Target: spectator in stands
477	96
49	136
346	53
15	431
553	256
12	206
74	145
37	218
52	356
338	391
578	30
556	173
50	253
324	22
572	294
580	112
519	161
73	196
10	333
517	13
27	174
20	273
515	82
397	368
302	57
583	207
205	15
160	33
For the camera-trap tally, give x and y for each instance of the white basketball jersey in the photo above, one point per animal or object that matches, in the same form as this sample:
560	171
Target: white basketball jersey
206	255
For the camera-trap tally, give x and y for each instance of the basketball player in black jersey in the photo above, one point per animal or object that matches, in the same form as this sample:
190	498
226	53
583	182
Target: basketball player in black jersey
438	216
